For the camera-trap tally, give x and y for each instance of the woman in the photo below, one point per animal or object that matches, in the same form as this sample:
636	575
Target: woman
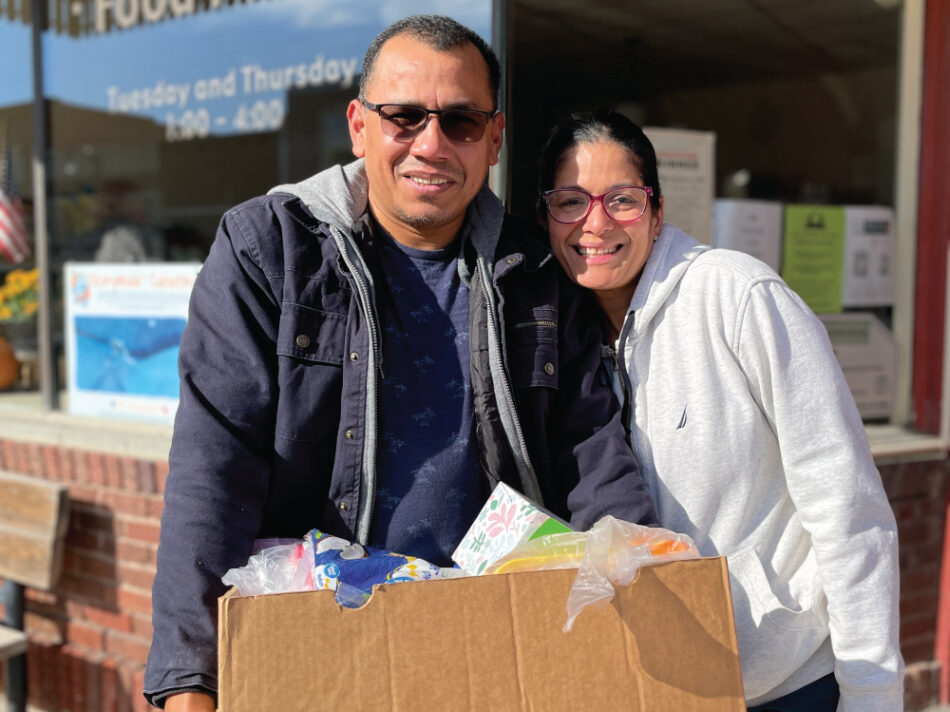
746	432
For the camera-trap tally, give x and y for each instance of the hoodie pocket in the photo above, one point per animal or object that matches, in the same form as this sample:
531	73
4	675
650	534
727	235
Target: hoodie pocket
532	348
774	640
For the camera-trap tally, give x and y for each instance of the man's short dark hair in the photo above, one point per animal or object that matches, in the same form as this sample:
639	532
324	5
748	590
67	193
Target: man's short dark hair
438	32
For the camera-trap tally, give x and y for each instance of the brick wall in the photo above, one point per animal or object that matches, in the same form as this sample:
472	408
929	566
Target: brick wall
918	493
90	636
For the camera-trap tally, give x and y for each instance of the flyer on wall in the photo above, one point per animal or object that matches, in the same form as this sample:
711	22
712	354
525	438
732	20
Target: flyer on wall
123	327
686	161
813	254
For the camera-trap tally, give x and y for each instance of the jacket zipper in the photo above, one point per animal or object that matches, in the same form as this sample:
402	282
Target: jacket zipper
624	378
538	322
519	444
364	517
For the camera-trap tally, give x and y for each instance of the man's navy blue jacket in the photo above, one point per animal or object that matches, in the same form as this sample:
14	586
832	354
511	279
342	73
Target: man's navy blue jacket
276	428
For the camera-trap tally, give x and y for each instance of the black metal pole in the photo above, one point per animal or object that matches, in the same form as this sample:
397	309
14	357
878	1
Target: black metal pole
49	375
499	173
11	594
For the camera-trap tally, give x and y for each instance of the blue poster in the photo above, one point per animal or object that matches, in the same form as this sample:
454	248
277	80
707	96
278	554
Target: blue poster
128	354
124	324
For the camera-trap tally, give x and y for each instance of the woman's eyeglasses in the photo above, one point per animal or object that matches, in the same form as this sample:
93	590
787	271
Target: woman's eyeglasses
404	123
571	205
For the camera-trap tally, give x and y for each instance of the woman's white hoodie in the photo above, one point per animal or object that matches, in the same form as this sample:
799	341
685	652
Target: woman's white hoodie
751	443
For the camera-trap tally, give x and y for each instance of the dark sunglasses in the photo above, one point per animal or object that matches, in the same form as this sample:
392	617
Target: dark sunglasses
404	123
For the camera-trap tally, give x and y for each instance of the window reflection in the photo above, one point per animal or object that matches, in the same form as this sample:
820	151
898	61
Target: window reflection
158	125
18	291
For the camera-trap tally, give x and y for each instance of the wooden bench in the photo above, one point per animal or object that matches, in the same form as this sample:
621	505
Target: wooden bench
33	519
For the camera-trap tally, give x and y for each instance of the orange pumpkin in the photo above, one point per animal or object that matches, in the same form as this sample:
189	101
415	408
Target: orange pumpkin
9	366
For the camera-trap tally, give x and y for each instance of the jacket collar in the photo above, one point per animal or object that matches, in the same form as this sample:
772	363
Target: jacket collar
339	196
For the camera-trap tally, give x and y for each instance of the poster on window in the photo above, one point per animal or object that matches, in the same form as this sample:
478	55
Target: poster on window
123	327
870	253
687	166
813	254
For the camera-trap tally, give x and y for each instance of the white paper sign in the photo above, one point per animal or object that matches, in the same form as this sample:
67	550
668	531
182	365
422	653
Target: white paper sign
869	254
123	327
750	226
867	354
687	166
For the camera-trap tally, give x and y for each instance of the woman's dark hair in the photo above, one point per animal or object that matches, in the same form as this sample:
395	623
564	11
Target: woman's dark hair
589	127
438	32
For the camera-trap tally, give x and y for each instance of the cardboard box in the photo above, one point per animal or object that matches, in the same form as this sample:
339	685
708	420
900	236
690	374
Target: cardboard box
493	643
750	226
867	354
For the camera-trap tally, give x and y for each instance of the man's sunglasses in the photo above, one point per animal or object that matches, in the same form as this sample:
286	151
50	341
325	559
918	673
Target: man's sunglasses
404	123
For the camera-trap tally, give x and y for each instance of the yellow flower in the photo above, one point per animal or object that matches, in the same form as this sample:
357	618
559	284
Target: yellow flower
18	295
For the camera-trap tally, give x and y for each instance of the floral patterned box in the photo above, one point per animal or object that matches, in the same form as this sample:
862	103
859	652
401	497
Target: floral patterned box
507	520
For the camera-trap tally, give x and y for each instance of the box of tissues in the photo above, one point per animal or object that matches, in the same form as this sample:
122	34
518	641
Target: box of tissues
507	520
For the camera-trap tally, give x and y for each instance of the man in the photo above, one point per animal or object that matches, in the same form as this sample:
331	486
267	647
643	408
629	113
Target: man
372	350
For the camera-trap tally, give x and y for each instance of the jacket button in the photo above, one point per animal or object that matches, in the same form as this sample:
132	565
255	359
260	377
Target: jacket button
512	260
344	506
549	368
354	356
348	434
302	340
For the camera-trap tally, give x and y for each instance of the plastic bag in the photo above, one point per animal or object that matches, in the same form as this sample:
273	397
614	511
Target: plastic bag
563	550
324	562
613	553
274	569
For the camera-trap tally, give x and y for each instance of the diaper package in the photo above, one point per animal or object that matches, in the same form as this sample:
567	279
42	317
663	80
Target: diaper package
324	562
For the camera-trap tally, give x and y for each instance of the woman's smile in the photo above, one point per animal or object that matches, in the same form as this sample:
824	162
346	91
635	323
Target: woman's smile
599	252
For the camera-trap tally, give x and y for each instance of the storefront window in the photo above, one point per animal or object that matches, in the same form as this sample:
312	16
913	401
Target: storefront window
161	121
785	112
161	116
18	301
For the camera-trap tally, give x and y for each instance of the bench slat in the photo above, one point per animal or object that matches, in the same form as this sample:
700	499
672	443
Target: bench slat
29	560
30	504
34	515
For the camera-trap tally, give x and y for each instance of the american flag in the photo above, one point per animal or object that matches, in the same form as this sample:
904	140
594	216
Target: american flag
14	241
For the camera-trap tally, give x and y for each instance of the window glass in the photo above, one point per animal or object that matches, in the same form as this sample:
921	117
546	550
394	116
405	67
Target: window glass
796	103
18	293
162	115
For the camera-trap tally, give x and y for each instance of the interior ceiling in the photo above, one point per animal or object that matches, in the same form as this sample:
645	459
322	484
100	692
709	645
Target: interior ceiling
678	44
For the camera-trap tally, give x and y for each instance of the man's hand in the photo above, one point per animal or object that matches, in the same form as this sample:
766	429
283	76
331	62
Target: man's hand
189	702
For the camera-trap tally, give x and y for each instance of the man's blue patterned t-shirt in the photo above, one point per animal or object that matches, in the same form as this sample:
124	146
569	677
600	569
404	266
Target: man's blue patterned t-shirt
430	486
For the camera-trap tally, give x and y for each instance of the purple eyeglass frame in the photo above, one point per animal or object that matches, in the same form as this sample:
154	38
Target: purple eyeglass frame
596	199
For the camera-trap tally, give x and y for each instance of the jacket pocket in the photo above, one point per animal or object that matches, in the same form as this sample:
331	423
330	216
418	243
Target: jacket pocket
311	334
310	349
774	640
532	348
